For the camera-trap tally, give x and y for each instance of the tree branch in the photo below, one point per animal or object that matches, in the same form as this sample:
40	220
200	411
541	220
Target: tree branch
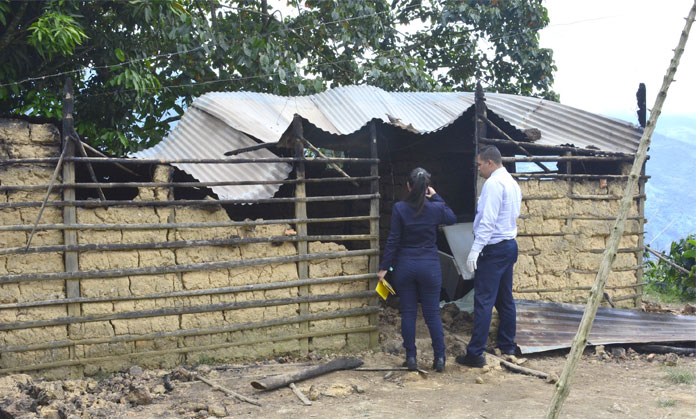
6	37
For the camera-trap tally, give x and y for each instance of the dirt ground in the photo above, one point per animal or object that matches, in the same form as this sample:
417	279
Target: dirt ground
610	383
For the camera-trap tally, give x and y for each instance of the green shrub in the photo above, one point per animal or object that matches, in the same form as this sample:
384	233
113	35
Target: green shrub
665	279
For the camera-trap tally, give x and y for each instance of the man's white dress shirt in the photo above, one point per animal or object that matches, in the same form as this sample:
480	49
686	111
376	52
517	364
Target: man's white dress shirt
497	210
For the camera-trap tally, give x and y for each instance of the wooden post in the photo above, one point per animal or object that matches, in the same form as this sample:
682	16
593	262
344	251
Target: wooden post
562	388
374	229
72	286
641	239
640	97
301	227
479	133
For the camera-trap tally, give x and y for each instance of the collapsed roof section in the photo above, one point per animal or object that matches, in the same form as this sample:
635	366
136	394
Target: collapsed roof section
218	122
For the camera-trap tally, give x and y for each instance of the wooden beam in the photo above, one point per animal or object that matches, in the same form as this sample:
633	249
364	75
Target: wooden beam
516	143
112	160
277	381
72	286
479	131
373	263
552	149
110	185
182	202
165	226
193	267
564	158
300	213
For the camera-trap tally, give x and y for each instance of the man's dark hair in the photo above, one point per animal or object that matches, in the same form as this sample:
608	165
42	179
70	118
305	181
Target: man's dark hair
491	152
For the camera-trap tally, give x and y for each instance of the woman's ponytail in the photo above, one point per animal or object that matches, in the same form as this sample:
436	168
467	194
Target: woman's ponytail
419	181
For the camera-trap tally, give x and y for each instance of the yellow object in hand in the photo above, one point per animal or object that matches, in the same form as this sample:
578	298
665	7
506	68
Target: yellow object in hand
384	289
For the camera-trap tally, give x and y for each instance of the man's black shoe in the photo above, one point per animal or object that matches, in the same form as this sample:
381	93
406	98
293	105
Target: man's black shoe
512	351
411	363
471	361
439	364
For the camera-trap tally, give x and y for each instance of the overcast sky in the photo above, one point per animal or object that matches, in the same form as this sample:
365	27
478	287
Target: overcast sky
604	48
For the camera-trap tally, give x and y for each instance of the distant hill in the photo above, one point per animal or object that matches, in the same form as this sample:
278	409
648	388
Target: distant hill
671	191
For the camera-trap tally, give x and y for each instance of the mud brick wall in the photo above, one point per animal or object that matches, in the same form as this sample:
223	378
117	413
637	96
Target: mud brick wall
126	324
563	231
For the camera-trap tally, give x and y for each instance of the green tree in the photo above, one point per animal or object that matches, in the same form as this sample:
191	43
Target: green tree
137	64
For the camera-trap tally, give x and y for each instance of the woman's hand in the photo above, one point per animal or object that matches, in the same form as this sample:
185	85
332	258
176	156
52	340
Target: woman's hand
382	274
430	192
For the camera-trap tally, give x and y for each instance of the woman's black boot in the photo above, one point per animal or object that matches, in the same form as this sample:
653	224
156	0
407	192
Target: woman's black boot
411	363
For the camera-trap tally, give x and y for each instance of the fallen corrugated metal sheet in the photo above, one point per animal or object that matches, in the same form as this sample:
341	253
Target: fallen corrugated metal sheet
199	135
544	326
344	110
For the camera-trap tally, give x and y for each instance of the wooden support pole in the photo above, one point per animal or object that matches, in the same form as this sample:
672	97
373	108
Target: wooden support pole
641	238
562	388
374	229
234	241
165	226
565	158
301	228
59	166
299	394
72	286
250	148
552	149
183	202
228	391
479	132
332	164
667	260
516	143
123	160
109	185
170	269
90	169
100	154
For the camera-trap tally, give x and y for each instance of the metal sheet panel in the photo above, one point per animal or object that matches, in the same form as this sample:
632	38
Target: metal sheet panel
544	326
460	238
200	135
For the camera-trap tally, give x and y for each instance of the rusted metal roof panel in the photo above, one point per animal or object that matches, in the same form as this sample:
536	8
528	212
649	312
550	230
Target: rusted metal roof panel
544	326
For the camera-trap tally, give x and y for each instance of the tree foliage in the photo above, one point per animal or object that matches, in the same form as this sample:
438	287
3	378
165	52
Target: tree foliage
664	277
137	64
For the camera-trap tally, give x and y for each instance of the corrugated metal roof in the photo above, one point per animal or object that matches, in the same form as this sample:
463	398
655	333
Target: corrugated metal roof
223	121
544	326
200	135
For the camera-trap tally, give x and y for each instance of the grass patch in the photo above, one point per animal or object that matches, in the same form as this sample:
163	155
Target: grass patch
204	359
666	402
680	375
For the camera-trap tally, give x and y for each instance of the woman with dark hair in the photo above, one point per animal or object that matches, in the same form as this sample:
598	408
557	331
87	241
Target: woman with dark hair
412	253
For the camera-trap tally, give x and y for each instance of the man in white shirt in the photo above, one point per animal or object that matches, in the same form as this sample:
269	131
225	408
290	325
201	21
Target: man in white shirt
493	256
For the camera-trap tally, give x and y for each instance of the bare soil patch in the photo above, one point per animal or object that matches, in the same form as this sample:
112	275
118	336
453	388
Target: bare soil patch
609	383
